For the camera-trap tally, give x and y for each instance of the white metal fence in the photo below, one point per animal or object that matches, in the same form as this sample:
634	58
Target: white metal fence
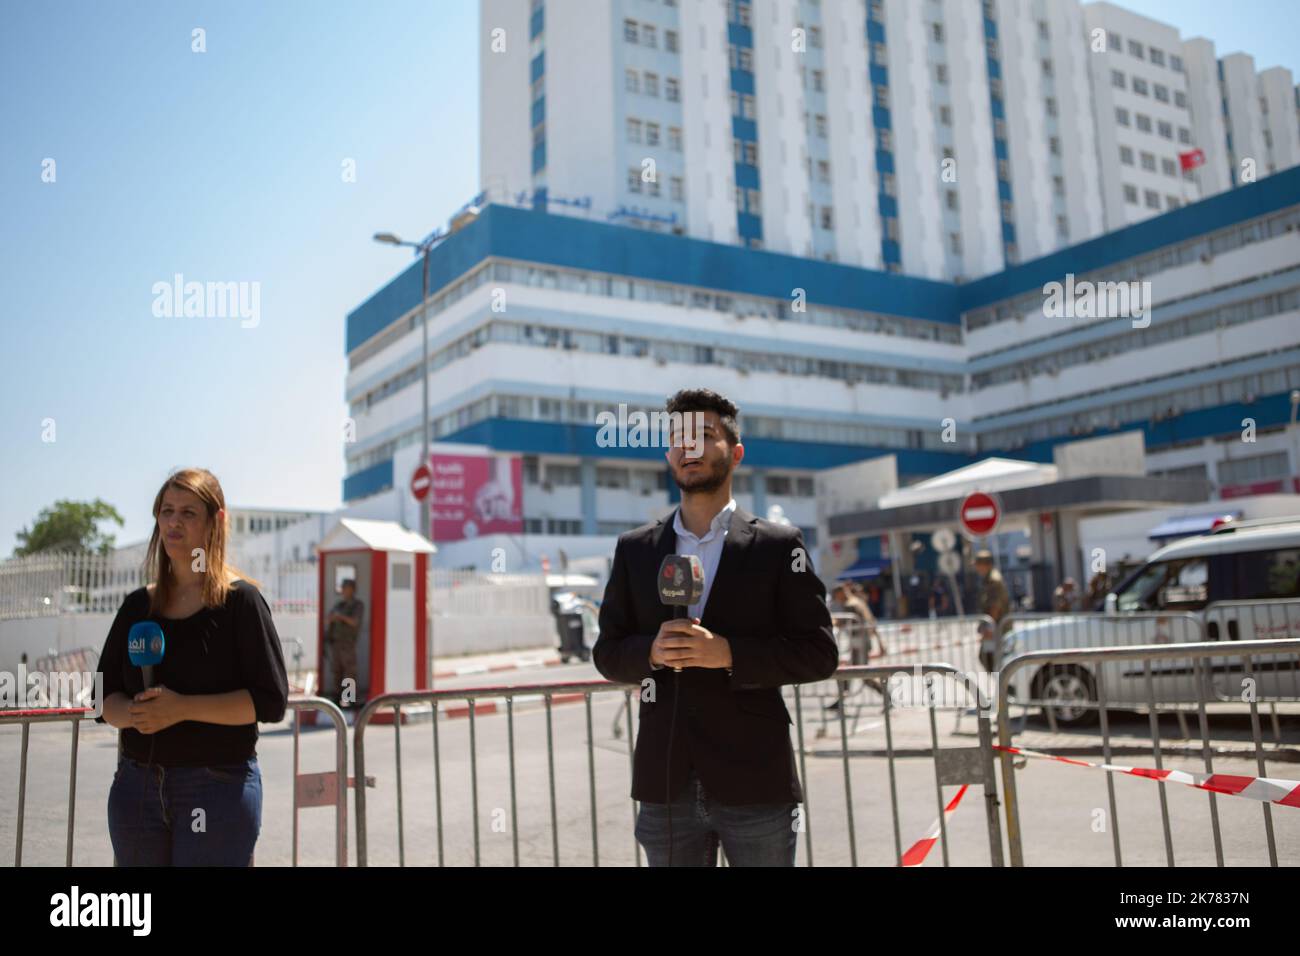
85	583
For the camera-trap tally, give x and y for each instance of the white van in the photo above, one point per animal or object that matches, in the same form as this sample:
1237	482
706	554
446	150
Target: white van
1239	582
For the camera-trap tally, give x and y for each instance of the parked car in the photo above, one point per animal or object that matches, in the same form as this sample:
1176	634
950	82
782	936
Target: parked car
1238	582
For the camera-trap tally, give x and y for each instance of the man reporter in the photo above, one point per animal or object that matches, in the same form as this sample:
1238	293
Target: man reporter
729	775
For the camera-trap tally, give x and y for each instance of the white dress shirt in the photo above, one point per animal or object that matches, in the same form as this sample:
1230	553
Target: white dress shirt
707	548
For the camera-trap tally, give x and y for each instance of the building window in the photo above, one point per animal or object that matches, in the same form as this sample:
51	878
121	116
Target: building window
672	91
1135	49
675	138
819	125
1161	93
1140	86
1144	122
950	198
945	115
954	243
630	32
1047	68
1054	145
1152	198
1131	194
651	85
634	131
936	32
1149	162
1126	155
818	81
1058	185
941	74
1117	79
634	179
1051	106
633	82
1121	116
677	190
1184	135
1175	63
1166	130
1157	56
827	221
649	35
670	41
1113	42
652	134
1169	167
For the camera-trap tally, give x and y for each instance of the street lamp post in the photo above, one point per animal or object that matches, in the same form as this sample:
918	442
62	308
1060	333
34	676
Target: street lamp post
421	249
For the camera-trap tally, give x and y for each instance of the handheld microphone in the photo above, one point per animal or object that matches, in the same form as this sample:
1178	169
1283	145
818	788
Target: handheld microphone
145	645
681	583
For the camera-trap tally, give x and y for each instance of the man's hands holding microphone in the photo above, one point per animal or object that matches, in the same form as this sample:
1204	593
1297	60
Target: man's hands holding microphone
682	642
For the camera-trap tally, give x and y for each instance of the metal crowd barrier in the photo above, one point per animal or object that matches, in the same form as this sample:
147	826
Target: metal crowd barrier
953	766
324	789
25	719
310	790
1195	663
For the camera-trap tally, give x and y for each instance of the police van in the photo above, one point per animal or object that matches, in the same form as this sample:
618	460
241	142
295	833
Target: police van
1238	582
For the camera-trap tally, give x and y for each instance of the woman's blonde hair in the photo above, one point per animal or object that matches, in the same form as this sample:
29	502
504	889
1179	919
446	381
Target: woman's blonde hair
219	574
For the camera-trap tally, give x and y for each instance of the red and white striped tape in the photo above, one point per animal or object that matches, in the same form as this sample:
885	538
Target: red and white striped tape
917	853
1284	793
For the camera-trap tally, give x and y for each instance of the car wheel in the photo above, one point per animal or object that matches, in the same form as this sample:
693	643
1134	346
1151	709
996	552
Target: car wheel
1075	688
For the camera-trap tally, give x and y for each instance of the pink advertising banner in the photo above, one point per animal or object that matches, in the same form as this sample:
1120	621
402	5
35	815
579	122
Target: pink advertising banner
474	495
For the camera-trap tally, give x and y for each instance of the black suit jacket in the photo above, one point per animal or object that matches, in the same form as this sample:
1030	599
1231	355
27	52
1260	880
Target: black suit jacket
734	729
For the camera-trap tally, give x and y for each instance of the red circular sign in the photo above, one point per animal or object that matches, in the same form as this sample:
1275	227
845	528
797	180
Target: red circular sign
980	513
421	481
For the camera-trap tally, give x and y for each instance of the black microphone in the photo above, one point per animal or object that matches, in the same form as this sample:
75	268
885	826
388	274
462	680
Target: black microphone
681	583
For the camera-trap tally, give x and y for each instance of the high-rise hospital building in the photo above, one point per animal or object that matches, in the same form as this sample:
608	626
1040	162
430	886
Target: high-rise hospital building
843	214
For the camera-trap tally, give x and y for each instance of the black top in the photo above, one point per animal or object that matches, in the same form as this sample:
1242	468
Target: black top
213	651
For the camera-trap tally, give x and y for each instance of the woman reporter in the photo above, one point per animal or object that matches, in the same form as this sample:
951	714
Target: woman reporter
188	789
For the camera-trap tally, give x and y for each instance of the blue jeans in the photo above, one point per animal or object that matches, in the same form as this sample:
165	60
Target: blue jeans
752	834
184	816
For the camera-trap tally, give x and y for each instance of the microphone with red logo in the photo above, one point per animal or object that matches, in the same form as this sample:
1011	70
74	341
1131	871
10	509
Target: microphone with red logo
681	583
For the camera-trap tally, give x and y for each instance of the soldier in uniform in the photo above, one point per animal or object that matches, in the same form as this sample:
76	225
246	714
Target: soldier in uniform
342	627
993	601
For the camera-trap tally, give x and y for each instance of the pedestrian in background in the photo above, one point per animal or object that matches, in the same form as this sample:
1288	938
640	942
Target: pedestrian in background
342	631
993	602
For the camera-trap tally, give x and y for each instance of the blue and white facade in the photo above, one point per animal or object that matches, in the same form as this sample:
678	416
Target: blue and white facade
540	322
796	126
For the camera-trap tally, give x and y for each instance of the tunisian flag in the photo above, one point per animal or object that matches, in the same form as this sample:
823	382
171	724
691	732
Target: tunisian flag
1191	159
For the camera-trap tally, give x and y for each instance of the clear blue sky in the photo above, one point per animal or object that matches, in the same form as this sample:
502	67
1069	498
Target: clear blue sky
226	166
222	166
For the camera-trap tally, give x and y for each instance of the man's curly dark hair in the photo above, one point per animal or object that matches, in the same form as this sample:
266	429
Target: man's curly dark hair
707	400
